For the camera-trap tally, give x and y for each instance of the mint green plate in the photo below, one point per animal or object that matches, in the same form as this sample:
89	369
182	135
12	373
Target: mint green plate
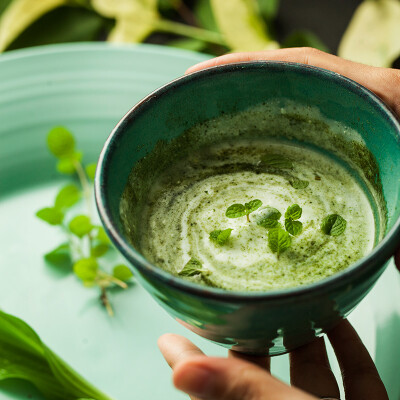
88	88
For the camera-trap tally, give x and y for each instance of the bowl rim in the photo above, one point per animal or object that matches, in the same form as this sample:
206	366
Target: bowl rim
379	255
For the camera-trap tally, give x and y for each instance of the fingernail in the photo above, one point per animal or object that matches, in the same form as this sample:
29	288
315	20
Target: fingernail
196	381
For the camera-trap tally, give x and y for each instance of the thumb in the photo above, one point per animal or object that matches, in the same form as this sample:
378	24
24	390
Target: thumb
211	378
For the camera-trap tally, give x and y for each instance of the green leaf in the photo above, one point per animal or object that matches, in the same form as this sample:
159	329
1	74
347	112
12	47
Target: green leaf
80	225
373	35
61	142
268	8
101	235
269	223
205	16
278	240
298	183
91	170
277	161
236	211
20	14
191	268
67	196
268	218
252	205
66	166
293	227
99	250
51	215
303	38
122	272
242	26
60	256
293	212
24	356
220	236
333	225
188	44
86	269
135	19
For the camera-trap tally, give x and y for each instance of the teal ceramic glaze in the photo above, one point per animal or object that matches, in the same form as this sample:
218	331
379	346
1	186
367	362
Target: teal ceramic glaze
258	322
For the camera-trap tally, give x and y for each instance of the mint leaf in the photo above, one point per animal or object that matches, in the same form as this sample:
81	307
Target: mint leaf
220	236
293	212
298	183
268	217
60	256
67	196
333	225
61	142
277	161
51	215
191	268
66	166
293	227
91	170
122	272
86	269
99	250
278	240
252	205
80	225
236	211
269	223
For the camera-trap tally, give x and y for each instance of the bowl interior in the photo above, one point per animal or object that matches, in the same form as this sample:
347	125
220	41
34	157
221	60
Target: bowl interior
168	113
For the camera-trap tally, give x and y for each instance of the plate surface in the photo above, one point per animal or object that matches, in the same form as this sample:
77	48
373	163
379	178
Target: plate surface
88	88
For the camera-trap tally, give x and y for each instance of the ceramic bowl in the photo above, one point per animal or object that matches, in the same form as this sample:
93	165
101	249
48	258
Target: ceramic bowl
272	322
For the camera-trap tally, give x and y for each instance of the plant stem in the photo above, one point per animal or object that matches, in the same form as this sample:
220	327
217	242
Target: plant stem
85	186
248	217
106	302
178	28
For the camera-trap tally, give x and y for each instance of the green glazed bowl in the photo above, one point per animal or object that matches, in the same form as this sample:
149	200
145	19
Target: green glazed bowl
272	322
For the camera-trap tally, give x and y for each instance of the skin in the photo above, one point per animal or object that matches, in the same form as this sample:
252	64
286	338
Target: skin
240	377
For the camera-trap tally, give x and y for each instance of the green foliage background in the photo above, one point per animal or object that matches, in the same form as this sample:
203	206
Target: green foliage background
211	26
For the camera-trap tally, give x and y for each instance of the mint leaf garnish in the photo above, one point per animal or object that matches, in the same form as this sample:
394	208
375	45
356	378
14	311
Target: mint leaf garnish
278	240
192	267
220	236
240	210
277	161
67	196
293	227
51	215
268	217
80	225
293	212
298	183
333	225
60	142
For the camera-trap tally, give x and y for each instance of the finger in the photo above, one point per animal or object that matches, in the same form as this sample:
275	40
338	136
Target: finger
360	377
385	82
231	379
261	361
176	348
311	372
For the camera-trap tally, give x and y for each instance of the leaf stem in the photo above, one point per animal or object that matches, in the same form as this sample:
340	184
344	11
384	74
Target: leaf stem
178	28
248	217
85	186
106	302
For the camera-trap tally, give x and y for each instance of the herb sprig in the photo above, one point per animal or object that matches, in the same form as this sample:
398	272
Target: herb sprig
333	225
240	210
86	241
220	237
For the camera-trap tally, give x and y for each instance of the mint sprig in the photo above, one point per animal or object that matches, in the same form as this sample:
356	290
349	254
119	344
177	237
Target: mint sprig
276	161
269	217
87	242
220	237
297	183
292	214
191	268
278	240
241	210
333	225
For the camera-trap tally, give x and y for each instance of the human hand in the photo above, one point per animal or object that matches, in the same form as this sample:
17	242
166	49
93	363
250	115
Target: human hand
385	82
241	377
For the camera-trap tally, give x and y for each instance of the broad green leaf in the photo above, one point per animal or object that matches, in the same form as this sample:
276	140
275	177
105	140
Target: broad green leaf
293	212
205	16
373	35
298	183
192	267
304	38
20	14
278	240
80	225
67	196
293	227
333	225
268	217
60	256
61	142
51	215
135	19
86	269
91	170
220	236
277	161
122	272
241	25
236	211
252	205
99	250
